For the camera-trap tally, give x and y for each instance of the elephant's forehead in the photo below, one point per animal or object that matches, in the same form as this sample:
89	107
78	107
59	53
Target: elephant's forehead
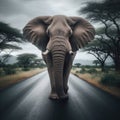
62	16
59	17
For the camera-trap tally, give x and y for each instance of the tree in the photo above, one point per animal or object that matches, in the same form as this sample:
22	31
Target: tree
5	58
39	63
77	65
96	48
107	13
8	35
26	60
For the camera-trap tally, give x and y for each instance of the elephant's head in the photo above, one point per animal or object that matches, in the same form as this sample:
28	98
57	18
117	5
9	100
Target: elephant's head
46	32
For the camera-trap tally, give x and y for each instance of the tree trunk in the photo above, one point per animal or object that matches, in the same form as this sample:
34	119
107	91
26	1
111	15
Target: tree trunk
117	64
102	67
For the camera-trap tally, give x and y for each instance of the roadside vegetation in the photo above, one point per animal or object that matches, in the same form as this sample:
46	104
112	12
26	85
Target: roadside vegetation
26	66
13	73
109	80
20	75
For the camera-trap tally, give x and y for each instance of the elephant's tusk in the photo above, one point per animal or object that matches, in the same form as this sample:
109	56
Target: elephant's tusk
46	52
71	52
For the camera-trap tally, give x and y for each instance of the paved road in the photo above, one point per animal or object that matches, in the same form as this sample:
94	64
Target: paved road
28	100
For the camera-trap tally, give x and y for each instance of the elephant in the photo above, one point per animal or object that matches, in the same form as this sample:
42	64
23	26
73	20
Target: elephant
59	37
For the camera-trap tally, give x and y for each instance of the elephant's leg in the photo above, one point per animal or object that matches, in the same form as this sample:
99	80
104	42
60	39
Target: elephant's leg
48	61
53	94
67	68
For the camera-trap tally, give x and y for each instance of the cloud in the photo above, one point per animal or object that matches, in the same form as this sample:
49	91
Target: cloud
11	7
27	48
18	12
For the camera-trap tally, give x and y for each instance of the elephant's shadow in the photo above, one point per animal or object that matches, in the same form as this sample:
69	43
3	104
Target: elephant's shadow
58	110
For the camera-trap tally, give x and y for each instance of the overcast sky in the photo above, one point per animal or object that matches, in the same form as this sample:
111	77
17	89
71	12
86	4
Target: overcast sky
18	12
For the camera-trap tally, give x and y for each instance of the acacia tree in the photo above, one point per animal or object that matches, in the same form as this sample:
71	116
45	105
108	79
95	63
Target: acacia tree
77	65
8	35
39	63
96	49
26	59
5	58
107	13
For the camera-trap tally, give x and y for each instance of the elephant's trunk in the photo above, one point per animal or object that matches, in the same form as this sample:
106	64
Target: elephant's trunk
58	64
58	47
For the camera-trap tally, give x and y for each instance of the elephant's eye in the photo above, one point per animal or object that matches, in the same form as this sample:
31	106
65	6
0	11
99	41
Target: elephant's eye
70	32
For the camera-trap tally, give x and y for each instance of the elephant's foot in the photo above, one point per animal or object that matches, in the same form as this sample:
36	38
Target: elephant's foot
58	96
54	96
65	97
66	89
62	95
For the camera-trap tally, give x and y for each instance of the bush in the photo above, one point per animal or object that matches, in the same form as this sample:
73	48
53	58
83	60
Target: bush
1	72
111	79
92	70
82	70
25	69
77	71
9	71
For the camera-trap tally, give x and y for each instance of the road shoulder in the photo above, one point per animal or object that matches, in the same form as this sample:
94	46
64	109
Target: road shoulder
112	90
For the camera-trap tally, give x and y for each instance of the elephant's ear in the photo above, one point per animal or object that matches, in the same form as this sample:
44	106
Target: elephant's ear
35	32
83	32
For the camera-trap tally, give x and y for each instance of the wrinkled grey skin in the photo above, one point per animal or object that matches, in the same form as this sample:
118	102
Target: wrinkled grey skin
59	37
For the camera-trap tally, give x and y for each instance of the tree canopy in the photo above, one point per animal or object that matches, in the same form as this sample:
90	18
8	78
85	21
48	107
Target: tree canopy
108	14
26	59
7	35
102	10
10	32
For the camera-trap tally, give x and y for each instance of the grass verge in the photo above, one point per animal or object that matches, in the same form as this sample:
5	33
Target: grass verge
95	80
8	80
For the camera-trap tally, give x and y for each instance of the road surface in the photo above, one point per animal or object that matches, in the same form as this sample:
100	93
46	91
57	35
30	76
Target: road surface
28	100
